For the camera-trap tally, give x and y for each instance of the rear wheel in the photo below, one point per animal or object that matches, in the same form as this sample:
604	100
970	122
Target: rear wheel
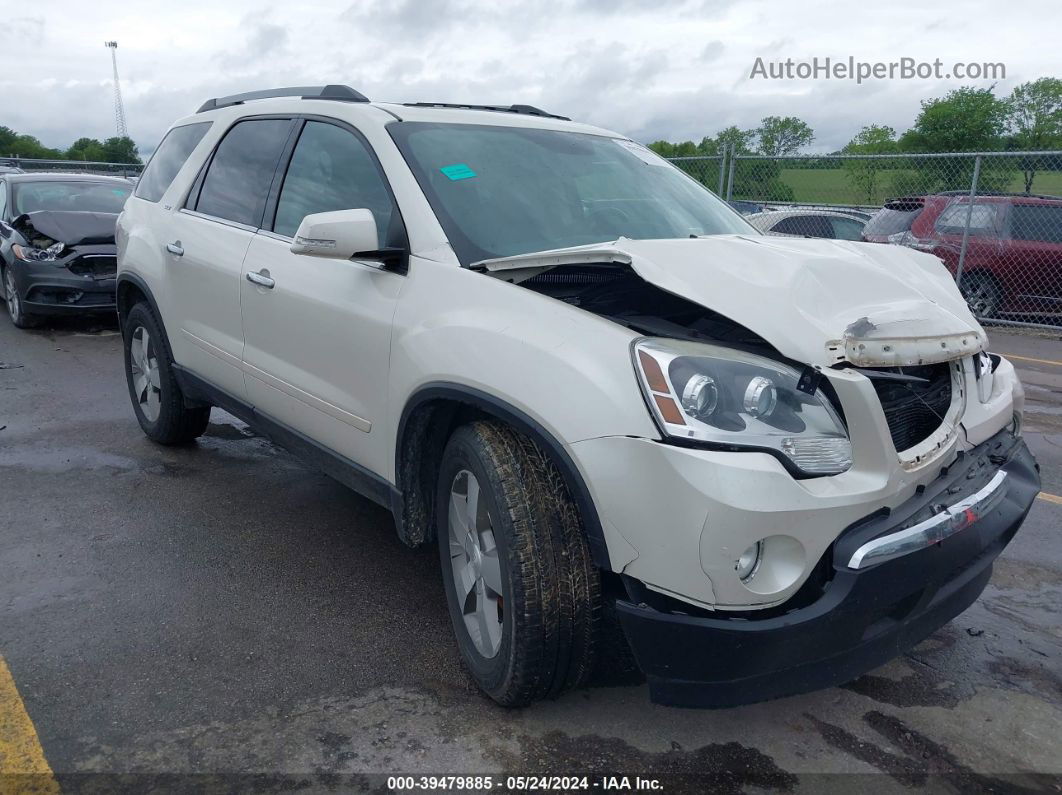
157	399
524	595
982	294
15	308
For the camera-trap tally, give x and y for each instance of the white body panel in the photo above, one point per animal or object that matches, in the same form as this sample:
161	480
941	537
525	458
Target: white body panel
317	345
337	349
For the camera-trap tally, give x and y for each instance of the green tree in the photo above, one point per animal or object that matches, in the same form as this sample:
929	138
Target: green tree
120	150
739	141
667	149
964	120
1035	122
866	175
778	136
86	149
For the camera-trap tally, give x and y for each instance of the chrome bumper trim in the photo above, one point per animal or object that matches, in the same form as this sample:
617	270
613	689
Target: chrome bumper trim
933	530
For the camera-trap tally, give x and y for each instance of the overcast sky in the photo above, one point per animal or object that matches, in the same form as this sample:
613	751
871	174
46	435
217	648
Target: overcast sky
674	69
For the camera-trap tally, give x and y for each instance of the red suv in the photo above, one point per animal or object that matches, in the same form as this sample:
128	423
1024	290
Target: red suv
1013	262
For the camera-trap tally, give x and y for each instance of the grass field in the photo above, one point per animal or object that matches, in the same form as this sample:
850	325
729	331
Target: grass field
835	186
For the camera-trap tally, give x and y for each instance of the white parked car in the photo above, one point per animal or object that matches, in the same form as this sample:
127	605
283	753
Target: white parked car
775	463
830	224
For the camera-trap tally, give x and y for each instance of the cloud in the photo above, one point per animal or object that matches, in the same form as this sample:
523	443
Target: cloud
675	69
26	30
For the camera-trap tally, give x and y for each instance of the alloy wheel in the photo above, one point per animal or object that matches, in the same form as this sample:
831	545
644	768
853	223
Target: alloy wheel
11	294
144	363
476	567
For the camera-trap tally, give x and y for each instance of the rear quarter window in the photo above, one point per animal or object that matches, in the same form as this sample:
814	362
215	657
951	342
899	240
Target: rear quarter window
887	221
168	159
1039	222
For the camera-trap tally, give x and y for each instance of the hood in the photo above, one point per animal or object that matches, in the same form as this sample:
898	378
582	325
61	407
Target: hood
817	301
72	228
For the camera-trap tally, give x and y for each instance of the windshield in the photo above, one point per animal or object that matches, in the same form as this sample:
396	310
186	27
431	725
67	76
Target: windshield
82	195
500	191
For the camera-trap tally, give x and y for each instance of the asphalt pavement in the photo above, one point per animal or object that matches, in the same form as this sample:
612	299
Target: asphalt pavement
220	614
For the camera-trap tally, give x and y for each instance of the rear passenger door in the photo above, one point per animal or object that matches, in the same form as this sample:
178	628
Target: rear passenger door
1035	257
318	341
208	239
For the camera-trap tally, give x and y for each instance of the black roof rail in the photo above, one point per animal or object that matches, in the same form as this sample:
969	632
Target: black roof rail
527	110
335	92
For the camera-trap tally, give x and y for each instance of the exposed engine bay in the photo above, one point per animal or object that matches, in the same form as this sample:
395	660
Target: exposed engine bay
619	294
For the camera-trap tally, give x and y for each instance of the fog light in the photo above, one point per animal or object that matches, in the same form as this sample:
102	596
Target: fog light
749	562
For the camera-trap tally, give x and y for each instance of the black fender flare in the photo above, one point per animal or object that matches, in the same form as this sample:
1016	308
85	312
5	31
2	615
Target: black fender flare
524	423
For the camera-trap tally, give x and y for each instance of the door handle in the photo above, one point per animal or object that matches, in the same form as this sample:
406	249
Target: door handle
175	248
261	279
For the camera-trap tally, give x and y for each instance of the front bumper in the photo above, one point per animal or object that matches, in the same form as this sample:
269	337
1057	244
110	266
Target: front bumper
49	288
861	618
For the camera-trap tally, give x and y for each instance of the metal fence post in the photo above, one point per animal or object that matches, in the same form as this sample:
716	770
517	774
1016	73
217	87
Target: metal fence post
722	170
969	218
730	178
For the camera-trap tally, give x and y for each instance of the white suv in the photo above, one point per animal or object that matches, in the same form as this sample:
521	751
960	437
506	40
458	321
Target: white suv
628	419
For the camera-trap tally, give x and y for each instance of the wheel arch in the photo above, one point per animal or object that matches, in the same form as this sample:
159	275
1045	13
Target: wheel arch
131	289
429	418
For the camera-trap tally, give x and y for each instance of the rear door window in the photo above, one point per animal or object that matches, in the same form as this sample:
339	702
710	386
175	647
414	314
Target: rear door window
1039	222
331	169
237	181
846	229
810	225
168	159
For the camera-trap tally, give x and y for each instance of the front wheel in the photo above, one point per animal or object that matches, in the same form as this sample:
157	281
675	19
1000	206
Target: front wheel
523	593
157	399
15	309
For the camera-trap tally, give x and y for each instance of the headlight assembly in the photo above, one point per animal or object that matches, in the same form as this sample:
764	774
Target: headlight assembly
49	254
708	393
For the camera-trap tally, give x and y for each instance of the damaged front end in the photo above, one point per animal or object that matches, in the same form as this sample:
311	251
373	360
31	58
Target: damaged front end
65	261
813	307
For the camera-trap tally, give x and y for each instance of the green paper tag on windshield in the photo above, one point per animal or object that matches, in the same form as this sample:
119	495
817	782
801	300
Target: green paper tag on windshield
458	171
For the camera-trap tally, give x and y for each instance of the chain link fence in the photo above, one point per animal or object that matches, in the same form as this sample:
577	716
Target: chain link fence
994	218
32	165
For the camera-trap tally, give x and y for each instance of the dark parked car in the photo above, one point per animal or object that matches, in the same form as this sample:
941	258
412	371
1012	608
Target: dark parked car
1013	263
57	253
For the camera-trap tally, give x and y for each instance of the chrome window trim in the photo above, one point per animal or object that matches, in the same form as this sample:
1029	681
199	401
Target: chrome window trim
218	220
931	531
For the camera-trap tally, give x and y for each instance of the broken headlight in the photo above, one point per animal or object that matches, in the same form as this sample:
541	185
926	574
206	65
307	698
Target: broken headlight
49	254
722	396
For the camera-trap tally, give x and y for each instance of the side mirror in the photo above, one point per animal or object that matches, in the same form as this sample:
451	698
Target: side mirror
339	235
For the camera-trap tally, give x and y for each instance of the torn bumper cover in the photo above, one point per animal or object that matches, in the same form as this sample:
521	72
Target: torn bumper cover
863	616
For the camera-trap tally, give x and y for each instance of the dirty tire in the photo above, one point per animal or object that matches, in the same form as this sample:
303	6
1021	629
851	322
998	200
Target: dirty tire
551	588
176	422
15	308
